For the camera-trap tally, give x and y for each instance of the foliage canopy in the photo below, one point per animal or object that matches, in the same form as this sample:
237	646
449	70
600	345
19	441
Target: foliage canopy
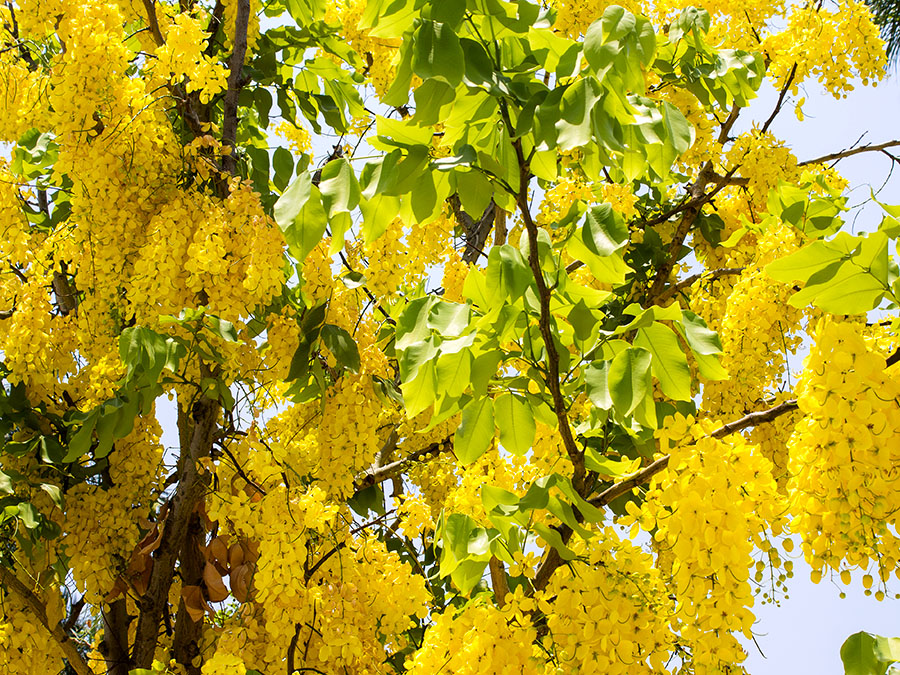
477	317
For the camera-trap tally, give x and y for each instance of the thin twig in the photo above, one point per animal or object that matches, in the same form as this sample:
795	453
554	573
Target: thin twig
545	318
781	95
837	156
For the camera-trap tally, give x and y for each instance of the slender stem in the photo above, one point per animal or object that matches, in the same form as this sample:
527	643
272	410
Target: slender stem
837	156
781	95
545	322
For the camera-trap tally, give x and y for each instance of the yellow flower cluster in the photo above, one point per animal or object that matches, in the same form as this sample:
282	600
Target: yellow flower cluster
334	443
297	137
763	161
454	277
103	523
836	46
843	485
21	90
378	54
233	252
415	516
715	502
354	601
480	638
400	259
773	438
611	613
25	645
758	330
181	56
574	16
228	20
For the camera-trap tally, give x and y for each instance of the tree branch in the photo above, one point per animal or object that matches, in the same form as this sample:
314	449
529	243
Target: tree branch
235	83
709	275
153	22
781	95
114	645
188	494
379	474
837	156
37	609
544	322
750	420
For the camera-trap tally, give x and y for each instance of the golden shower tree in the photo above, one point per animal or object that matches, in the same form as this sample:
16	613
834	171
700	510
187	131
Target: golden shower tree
476	317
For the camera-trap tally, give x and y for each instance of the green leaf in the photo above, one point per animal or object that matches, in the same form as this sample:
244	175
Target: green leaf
604	232
340	343
629	379
803	264
474	190
574	124
454	372
283	163
432	96
508	271
700	339
475	432
81	441
867	654
224	329
54	492
516	423
29	515
7	485
596	379
301	216
420	392
552	537
611	468
448	318
669	364
438	53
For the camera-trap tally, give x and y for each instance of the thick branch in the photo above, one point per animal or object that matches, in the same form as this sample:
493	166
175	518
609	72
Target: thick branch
235	83
36	608
153	22
188	633
837	156
188	493
114	645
